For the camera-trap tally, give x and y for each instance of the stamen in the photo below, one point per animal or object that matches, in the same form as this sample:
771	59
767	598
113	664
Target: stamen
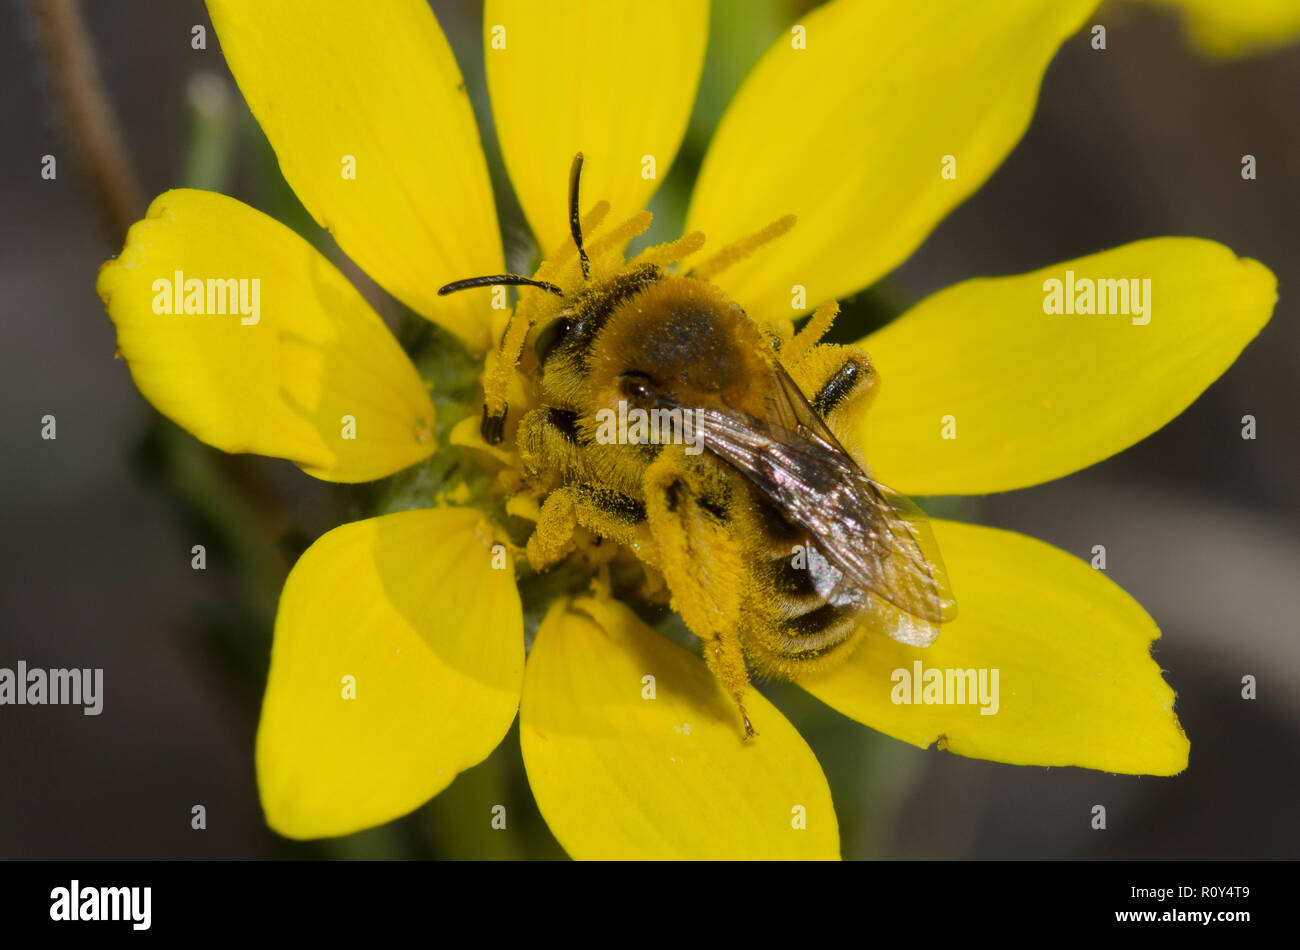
595	216
661	255
633	226
739	250
813	330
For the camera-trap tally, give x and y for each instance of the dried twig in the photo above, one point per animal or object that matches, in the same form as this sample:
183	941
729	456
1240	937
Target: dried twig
88	113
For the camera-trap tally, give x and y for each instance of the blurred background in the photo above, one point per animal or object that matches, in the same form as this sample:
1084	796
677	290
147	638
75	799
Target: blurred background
1143	139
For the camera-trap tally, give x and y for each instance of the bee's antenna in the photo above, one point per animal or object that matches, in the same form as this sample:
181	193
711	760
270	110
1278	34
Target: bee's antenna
512	279
575	224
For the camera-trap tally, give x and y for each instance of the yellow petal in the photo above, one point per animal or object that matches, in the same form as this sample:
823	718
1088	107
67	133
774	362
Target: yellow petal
1076	684
1032	396
311	374
407	611
850	135
620	776
614	81
1231	28
368	115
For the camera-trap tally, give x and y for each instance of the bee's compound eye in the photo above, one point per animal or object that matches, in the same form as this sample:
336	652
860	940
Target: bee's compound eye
636	385
550	338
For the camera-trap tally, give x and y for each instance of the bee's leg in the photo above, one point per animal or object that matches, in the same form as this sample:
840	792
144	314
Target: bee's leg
552	539
853	380
608	514
611	514
840	382
547	440
497	378
704	565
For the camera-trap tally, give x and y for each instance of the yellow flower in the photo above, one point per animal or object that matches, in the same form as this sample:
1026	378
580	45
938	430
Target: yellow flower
847	122
1231	29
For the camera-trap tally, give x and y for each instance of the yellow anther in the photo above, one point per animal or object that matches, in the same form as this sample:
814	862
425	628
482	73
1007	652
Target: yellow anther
794	351
739	250
661	255
617	238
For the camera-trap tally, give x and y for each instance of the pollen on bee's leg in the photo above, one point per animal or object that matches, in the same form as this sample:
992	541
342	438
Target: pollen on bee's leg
552	539
739	250
670	252
708	600
814	330
496	381
726	660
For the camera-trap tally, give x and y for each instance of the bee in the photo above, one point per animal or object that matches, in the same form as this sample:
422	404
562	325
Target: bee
772	541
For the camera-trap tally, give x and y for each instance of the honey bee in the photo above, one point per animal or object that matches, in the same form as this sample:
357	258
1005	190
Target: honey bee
774	545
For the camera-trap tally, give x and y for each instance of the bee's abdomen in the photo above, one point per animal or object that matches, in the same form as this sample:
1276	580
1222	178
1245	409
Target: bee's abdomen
794	621
814	634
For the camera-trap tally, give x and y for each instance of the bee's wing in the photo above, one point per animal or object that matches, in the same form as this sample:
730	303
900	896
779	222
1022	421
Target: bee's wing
875	537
